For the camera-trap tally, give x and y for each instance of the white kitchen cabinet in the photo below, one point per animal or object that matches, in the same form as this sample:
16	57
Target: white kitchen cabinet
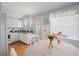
17	36
14	23
13	37
23	37
9	22
17	23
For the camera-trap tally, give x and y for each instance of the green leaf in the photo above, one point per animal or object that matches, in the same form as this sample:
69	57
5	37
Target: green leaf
51	37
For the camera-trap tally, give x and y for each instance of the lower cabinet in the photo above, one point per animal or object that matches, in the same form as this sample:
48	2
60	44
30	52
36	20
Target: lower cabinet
28	39
16	37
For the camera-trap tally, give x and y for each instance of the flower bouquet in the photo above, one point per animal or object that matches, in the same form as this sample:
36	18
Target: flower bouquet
51	37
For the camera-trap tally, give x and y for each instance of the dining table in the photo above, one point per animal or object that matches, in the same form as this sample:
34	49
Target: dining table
41	48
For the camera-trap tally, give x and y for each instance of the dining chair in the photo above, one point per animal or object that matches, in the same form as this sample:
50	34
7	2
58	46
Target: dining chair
13	52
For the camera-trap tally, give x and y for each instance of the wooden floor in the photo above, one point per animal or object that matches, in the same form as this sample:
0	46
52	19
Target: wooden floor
19	47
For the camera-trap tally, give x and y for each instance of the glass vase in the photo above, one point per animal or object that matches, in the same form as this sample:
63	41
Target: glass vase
50	44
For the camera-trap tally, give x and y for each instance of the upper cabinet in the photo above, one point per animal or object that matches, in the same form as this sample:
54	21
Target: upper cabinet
9	22
14	23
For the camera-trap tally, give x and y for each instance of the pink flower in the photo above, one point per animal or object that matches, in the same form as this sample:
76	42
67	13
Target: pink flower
56	37
58	33
58	41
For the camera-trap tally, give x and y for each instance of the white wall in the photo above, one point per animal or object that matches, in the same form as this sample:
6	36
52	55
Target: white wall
3	37
66	20
67	25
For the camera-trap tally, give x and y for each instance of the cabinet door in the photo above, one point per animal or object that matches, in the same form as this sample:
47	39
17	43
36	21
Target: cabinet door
44	32
23	37
9	22
19	23
14	36
14	23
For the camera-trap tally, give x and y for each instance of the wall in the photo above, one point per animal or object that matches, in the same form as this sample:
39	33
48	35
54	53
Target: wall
66	20
3	37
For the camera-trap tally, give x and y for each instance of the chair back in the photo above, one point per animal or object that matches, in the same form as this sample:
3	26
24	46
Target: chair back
13	52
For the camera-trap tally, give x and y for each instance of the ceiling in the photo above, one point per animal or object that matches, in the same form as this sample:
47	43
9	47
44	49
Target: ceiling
21	9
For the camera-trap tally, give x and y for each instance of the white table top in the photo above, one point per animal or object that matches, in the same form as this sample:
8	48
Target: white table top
41	49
